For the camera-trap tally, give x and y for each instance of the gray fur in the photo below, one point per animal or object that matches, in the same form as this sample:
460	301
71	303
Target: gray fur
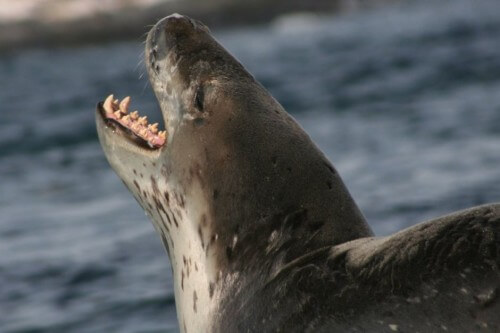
261	231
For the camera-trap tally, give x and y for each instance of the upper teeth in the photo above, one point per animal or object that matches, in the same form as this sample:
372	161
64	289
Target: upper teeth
124	104
108	103
153	128
119	111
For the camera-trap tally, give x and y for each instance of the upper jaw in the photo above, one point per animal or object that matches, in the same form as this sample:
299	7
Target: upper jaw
162	64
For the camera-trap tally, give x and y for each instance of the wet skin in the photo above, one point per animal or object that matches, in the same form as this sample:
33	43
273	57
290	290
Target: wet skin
258	223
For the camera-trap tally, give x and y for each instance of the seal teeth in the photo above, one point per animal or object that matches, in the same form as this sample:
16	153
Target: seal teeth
153	128
108	103
118	111
125	104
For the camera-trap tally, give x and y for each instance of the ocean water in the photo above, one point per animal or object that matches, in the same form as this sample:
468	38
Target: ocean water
404	99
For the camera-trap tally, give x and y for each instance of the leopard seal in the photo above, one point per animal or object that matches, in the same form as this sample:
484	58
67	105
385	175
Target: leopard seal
261	232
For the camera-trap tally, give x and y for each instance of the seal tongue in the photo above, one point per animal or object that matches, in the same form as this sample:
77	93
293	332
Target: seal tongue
118	111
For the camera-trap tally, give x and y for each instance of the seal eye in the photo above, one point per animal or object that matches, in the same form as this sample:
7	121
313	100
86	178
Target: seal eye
198	100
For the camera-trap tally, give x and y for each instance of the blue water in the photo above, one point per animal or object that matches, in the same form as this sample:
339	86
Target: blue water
405	100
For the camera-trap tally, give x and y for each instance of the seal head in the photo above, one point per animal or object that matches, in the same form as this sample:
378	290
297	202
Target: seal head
237	190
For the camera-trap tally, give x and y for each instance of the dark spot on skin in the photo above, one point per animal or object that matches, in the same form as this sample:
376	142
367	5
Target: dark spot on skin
150	207
184	260
166	226
216	194
165	244
175	221
135	172
274	160
332	170
195	298
179	198
137	185
168	218
329	184
182	279
126	185
199	121
145	194
289	169
154	164
142	176
203	220
211	287
159	205
195	267
167	197
154	185
212	239
200	233
144	164
200	96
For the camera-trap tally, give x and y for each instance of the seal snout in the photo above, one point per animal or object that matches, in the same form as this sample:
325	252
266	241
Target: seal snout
176	25
166	35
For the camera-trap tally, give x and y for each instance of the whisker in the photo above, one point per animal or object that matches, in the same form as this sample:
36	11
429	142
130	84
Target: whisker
144	88
141	61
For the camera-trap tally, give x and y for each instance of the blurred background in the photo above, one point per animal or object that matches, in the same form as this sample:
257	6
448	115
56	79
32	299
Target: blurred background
403	97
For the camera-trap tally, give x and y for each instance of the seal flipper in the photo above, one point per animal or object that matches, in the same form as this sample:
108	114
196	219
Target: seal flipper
439	275
459	241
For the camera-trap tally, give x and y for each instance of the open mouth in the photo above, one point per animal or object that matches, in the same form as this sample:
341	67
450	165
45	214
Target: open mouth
135	127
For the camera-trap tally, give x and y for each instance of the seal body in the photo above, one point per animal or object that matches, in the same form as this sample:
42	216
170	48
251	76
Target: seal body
261	231
441	275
